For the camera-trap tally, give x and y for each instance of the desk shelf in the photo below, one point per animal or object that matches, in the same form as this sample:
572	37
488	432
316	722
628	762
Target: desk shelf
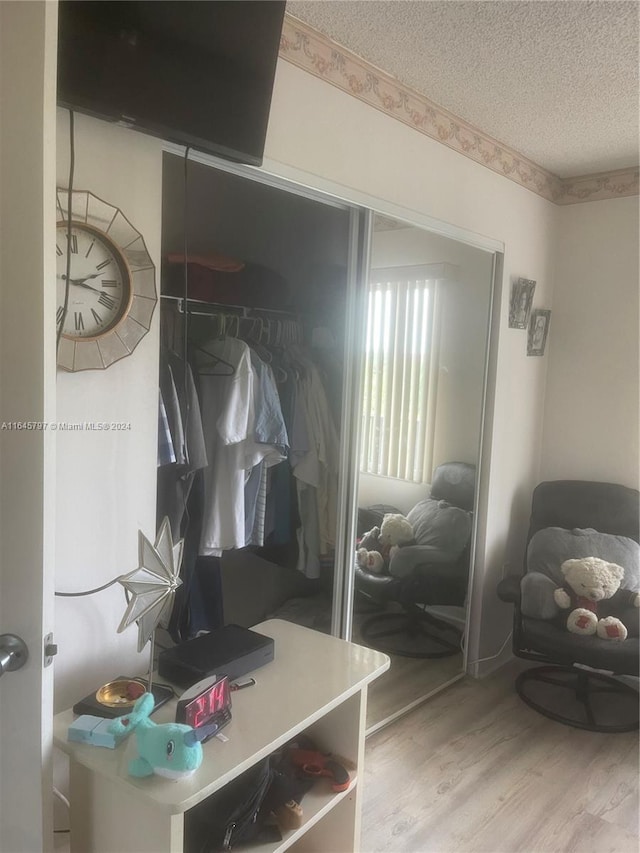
316	685
317	804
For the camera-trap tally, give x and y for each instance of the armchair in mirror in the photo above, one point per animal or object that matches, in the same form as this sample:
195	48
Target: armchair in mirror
430	571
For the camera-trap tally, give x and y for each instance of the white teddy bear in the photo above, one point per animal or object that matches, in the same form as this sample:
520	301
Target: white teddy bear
590	581
377	547
395	531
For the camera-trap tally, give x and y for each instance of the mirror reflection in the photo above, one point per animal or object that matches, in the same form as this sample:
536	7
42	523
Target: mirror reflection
428	306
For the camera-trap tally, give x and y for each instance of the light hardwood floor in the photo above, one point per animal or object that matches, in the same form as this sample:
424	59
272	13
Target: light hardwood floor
474	770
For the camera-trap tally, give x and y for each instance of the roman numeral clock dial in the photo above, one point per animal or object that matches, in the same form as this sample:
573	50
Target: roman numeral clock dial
110	290
93	307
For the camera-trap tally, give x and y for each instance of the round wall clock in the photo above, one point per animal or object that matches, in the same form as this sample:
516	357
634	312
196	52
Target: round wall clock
112	289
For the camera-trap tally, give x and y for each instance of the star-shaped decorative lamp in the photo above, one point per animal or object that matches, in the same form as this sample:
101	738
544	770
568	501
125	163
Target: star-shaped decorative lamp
152	585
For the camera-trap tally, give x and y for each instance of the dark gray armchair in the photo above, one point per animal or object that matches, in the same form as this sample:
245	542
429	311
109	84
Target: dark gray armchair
434	571
575	519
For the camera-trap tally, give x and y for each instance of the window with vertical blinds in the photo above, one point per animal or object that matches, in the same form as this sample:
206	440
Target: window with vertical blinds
397	427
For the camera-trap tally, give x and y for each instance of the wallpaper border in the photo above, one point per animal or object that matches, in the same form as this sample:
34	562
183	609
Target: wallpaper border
316	53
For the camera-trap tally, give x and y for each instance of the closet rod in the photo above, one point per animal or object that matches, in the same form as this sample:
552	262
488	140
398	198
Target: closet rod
218	307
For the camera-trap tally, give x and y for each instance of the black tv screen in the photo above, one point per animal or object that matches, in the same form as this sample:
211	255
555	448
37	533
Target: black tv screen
196	72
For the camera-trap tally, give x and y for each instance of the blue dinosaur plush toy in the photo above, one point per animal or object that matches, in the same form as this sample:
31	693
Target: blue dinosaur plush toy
172	750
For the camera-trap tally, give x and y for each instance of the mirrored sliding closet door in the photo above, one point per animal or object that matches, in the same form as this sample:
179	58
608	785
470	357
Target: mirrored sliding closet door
428	301
364	339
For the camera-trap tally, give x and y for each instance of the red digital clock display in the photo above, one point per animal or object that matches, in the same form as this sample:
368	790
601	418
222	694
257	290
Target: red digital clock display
213	700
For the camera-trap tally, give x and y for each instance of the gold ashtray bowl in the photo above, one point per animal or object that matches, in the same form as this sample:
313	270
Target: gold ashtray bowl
120	694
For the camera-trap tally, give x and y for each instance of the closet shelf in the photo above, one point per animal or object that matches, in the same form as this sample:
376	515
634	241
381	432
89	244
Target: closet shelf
316	804
199	306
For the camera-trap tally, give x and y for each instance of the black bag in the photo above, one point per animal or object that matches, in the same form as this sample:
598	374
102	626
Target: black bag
234	815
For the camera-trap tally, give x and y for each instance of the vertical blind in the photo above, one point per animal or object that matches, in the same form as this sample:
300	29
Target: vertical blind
398	383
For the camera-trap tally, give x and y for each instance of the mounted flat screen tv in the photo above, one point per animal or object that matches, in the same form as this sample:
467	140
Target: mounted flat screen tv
196	72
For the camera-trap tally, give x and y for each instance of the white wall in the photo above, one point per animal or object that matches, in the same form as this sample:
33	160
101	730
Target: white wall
316	128
319	130
591	407
106	481
27	393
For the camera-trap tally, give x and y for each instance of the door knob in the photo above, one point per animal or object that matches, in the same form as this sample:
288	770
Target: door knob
13	653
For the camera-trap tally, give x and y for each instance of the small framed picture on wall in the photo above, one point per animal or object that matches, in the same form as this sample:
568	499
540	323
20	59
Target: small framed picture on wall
522	291
538	331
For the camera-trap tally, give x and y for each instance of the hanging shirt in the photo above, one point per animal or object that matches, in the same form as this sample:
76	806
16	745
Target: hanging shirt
183	415
271	447
318	467
270	426
166	454
328	455
226	403
194	449
174	412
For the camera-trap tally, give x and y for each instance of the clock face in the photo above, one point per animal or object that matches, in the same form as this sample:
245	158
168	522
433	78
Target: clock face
208	703
111	291
99	283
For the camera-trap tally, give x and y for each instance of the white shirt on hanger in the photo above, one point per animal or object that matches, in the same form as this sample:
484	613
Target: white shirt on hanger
226	403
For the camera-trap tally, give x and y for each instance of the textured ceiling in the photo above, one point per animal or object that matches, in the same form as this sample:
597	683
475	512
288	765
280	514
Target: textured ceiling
557	80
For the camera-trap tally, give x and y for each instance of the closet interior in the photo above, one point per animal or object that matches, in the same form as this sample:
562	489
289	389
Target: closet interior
251	382
268	462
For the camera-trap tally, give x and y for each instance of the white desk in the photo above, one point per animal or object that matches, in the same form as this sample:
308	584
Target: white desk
316	684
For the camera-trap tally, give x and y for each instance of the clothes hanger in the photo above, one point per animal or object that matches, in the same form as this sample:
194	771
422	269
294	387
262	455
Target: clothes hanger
220	366
259	325
230	331
259	348
228	370
265	331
